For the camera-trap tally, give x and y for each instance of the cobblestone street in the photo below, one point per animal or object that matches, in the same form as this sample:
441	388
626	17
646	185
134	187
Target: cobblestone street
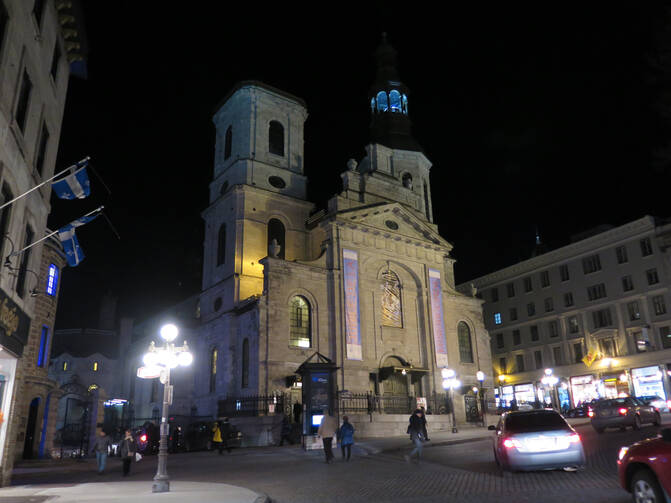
462	472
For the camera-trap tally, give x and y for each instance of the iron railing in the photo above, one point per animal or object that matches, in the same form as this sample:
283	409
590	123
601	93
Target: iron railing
253	405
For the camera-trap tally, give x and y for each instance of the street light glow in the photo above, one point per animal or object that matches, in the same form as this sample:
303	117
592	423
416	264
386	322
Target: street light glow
480	375
169	332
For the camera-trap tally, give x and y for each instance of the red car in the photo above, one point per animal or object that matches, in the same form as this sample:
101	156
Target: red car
645	469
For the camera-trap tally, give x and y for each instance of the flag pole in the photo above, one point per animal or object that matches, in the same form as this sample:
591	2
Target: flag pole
19	252
85	159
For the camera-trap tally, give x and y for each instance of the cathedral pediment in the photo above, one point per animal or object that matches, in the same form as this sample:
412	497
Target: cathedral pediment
394	220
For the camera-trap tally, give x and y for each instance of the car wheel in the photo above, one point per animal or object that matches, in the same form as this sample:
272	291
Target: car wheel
645	488
637	423
658	419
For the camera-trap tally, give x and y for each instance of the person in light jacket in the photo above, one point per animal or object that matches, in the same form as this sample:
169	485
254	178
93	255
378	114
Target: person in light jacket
346	437
327	430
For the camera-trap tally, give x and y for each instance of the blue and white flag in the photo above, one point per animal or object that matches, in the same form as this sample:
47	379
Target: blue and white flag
75	185
73	252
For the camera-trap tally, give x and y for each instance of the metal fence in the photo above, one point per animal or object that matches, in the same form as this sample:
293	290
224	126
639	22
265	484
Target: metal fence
253	405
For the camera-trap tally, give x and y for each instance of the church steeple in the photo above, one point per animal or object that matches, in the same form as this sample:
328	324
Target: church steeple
390	124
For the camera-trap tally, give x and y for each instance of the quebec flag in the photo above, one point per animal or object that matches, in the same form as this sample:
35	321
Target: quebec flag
74	186
68	238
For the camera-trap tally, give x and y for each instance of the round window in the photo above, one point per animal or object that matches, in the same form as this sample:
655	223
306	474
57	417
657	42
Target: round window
391	224
217	303
277	182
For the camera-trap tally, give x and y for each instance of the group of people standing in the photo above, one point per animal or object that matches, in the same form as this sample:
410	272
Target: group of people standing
127	450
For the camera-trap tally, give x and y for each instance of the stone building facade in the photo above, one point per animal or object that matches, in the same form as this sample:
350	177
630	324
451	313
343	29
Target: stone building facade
41	44
597	312
368	282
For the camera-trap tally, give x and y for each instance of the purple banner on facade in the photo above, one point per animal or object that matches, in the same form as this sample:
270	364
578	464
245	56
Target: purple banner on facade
352	323
437	317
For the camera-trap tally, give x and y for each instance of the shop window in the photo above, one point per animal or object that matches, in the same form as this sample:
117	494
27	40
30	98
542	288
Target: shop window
648	381
300	329
465	346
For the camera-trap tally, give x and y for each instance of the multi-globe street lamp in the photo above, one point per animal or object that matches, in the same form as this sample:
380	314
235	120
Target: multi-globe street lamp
480	376
450	382
158	363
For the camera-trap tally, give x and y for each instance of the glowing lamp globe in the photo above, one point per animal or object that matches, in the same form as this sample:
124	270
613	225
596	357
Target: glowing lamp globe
150	359
185	359
169	332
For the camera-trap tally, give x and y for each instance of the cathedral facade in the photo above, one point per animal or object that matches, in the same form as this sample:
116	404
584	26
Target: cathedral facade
368	282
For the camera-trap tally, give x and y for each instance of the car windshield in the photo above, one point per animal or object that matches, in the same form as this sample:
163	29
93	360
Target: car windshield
535	421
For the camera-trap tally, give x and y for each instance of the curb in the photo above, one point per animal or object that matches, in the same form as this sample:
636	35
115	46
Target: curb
368	450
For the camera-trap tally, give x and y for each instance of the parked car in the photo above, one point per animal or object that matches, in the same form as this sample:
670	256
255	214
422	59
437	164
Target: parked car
659	403
623	412
147	437
643	468
537	440
198	436
582	410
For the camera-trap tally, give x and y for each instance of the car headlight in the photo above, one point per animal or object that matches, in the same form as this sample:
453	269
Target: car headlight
622	453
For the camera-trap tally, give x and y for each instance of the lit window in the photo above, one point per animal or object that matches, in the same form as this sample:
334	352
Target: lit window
300	329
93	387
395	101
95	366
497	318
65	366
42	355
382	101
52	280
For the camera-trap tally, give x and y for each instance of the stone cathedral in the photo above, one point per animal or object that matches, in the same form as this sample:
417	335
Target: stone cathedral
367	282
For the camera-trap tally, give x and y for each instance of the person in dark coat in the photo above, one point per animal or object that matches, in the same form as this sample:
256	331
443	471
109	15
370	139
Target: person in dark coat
128	450
346	438
285	432
415	429
225	435
101	447
513	405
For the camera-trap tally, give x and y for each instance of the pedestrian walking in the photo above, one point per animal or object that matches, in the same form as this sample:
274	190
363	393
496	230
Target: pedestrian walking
101	448
346	437
327	430
415	429
285	432
128	450
225	427
216	437
513	405
424	423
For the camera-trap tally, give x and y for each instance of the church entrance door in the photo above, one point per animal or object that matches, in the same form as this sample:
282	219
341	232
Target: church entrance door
396	384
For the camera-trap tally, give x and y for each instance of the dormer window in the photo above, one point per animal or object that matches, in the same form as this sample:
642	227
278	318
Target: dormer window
407	181
276	138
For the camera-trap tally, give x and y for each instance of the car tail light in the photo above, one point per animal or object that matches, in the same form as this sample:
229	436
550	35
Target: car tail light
623	411
508	443
622	453
143	438
590	413
574	439
668	404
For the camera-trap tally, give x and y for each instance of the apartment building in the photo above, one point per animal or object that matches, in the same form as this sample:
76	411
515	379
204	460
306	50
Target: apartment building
595	314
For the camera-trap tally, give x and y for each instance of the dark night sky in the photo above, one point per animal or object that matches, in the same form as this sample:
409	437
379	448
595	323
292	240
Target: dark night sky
531	116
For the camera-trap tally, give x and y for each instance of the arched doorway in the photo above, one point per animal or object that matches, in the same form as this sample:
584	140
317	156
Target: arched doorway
30	429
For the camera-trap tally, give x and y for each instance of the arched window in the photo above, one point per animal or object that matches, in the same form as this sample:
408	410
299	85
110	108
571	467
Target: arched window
213	370
405	104
245	363
392	315
95	367
300	331
276	231
465	347
276	138
395	100
372	105
382	101
221	245
407	181
228	142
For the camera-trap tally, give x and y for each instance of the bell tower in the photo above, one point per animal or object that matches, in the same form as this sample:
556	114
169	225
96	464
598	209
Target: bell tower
258	193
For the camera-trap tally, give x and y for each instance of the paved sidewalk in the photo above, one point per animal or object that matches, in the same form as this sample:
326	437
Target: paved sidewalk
466	433
135	491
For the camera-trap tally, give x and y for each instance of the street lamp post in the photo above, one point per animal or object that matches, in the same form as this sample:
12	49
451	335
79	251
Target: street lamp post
550	381
450	382
480	376
160	361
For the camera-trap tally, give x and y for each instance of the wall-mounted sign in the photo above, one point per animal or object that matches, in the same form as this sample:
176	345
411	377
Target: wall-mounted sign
352	323
437	317
14	325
